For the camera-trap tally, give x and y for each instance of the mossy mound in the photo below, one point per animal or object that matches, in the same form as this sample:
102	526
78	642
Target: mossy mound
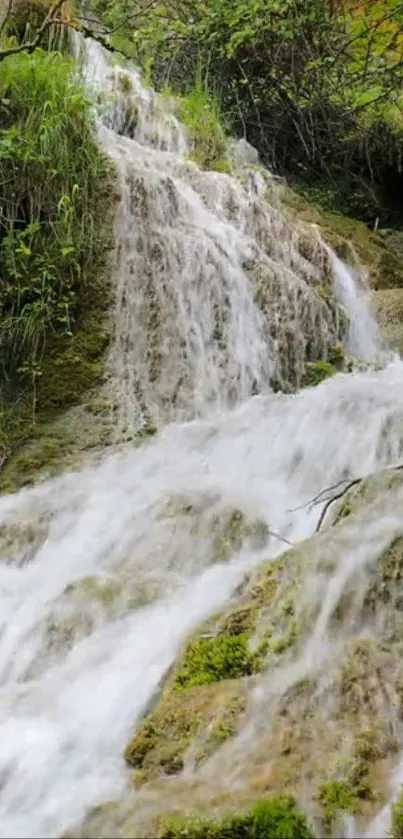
350	238
388	309
180	732
326	737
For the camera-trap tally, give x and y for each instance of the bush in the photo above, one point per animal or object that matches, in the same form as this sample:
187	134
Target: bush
53	205
200	113
277	818
316	372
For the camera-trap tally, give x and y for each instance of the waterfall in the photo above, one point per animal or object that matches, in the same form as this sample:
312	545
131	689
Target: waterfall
102	574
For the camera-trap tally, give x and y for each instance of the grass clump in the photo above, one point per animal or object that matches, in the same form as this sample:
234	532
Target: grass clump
200	112
209	660
316	372
336	797
278	818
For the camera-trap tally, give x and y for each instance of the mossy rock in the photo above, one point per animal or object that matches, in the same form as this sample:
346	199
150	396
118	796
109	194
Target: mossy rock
350	238
73	373
387	306
319	729
204	718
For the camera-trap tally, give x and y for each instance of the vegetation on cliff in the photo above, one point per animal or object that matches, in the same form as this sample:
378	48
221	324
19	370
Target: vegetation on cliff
55	202
315	86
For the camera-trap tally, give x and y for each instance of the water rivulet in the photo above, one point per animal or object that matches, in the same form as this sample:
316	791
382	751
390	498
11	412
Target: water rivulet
106	572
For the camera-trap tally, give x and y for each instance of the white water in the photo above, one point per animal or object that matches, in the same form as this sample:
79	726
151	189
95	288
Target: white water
76	671
364	339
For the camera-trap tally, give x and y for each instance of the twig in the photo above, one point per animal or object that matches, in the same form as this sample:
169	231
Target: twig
335	498
318	498
281	538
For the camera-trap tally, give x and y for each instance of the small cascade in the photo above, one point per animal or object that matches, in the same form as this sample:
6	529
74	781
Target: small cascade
363	340
218	296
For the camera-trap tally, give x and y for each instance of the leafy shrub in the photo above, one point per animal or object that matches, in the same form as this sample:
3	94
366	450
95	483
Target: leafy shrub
53	201
277	818
316	372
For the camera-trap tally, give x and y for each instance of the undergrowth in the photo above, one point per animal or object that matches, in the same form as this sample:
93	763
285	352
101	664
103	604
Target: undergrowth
54	203
199	111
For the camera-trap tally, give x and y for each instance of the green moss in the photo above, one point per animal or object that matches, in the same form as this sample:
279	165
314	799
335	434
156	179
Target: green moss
276	817
222	728
316	372
208	660
104	591
204	713
335	797
396	831
349	238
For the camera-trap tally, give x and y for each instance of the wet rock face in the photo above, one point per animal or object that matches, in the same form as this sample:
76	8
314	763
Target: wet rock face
316	707
388	309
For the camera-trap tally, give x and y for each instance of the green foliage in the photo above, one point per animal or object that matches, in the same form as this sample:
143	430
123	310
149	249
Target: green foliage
318	91
209	660
336	797
316	372
200	113
53	207
397	819
276	817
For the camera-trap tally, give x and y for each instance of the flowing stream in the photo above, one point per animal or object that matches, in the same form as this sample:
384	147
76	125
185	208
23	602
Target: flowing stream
76	671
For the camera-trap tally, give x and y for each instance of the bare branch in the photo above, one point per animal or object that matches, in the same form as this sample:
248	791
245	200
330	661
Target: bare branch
335	498
30	46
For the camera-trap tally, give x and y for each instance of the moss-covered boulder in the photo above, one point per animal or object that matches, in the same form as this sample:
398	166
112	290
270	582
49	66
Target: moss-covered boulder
350	239
388	309
300	701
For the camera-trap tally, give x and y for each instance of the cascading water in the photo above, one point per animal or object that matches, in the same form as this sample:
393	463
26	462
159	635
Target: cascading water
102	574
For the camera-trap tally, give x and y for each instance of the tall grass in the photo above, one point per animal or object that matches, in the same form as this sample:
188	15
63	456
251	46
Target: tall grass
52	197
199	110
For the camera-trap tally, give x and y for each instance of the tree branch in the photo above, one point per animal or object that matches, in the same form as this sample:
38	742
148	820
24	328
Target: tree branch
30	46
